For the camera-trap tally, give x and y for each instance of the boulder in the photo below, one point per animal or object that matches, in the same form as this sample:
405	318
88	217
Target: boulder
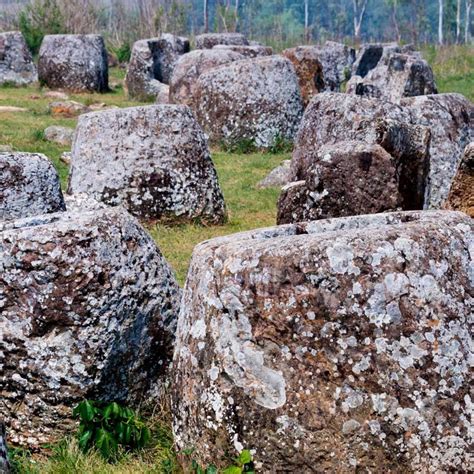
447	117
461	194
67	109
336	59
95	320
347	179
16	63
29	186
396	76
76	63
154	160
163	96
151	65
341	344
309	69
250	51
190	66
60	135
209	40
279	176
450	118
256	99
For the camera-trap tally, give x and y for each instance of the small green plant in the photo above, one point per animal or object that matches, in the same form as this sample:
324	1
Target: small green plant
123	52
106	426
38	135
244	146
280	145
241	464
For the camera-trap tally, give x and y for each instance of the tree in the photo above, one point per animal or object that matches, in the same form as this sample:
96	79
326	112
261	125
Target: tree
467	30
458	22
440	22
359	12
306	20
206	16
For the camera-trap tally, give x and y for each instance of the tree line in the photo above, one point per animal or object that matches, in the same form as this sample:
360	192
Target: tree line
279	23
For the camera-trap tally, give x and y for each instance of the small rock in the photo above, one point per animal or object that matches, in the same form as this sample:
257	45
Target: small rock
60	135
279	176
57	95
68	108
66	158
163	96
11	108
6	148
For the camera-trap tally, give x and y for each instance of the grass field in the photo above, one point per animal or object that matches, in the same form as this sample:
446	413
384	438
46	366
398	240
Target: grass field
248	208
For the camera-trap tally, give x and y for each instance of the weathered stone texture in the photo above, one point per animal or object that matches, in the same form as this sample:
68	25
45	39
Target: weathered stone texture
249	51
16	63
309	69
340	345
396	76
154	160
337	60
29	186
349	178
67	108
279	176
209	40
151	65
190	66
76	63
448	118
256	100
88	310
461	194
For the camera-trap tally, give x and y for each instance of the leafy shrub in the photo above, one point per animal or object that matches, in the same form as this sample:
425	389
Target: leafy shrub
40	18
106	426
244	146
123	52
280	145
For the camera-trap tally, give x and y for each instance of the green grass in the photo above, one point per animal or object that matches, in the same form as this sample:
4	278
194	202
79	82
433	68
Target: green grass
248	208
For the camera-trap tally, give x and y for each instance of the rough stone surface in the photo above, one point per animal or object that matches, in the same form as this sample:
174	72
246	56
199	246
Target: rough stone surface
332	117
81	202
309	69
153	160
16	63
67	109
190	66
461	194
396	76
4	462
95	319
337	60
370	55
29	186
279	176
163	96
66	157
151	65
340	344
77	63
347	179
209	40
60	135
256	99
250	51
450	118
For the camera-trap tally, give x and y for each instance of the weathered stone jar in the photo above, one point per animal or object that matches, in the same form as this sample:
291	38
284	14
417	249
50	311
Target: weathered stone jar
339	345
77	63
153	160
88	309
16	63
